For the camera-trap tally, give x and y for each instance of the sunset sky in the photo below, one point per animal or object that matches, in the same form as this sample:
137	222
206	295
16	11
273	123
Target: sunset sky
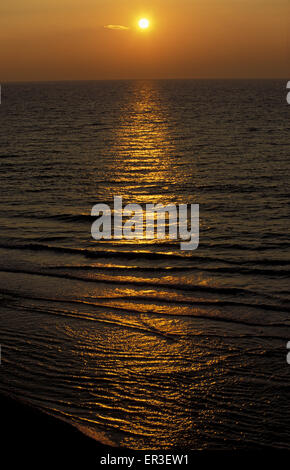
100	39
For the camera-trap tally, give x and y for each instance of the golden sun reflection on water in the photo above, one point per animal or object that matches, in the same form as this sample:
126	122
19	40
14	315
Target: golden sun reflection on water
144	352
145	381
144	168
143	146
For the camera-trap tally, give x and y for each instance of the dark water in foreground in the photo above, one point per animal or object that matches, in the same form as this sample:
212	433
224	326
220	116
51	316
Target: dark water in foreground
145	345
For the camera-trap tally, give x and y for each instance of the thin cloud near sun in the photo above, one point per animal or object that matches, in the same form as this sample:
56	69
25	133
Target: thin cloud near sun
143	24
116	27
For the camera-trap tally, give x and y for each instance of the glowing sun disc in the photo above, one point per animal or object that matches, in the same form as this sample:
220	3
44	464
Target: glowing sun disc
144	23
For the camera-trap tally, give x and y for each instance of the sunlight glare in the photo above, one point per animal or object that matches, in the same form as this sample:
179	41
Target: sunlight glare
144	23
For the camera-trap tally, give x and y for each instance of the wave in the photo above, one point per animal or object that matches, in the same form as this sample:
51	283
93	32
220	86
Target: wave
96	253
9	156
235	317
175	286
83	218
165	269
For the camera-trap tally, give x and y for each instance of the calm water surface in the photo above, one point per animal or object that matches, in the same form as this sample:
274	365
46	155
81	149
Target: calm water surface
137	342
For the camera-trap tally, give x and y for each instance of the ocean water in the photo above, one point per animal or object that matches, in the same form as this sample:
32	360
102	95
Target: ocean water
136	342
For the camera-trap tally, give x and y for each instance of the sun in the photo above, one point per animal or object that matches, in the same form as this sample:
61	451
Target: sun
144	23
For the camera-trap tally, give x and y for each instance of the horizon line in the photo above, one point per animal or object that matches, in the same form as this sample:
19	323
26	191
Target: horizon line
65	80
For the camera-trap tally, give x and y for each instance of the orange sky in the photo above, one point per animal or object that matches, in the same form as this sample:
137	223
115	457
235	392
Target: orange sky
66	39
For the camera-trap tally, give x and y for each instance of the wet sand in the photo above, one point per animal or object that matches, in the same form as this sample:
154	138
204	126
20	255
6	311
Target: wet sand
32	437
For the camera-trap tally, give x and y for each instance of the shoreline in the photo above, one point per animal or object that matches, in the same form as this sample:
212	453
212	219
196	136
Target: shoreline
32	436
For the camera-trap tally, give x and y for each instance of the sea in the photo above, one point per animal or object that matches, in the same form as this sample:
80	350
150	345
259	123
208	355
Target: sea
136	342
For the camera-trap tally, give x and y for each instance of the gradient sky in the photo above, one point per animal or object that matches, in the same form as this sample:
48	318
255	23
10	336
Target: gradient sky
67	39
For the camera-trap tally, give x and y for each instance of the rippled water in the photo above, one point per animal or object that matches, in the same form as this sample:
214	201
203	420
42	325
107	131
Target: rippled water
140	343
